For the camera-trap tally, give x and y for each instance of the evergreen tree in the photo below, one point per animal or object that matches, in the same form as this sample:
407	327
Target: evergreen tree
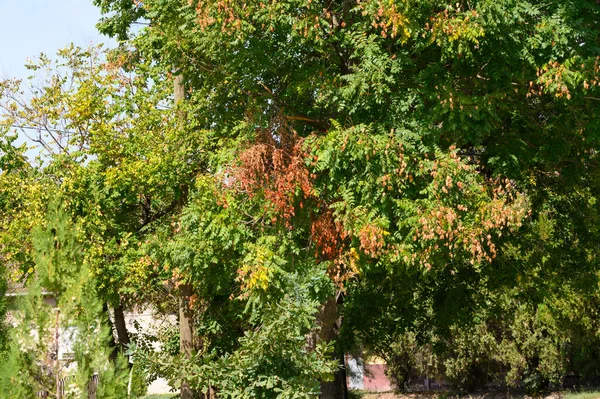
3	326
61	310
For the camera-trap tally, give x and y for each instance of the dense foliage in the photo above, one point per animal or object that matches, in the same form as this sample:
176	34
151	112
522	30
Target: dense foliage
418	179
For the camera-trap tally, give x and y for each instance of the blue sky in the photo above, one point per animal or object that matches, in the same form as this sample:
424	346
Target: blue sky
28	27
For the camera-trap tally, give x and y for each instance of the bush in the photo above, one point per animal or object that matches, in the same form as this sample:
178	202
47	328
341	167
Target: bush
407	361
139	382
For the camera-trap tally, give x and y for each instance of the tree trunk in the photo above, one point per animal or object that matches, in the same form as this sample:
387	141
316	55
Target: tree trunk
121	328
185	333
185	290
179	89
336	389
329	323
113	344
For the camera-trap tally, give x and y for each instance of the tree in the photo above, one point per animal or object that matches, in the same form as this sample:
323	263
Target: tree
418	140
116	152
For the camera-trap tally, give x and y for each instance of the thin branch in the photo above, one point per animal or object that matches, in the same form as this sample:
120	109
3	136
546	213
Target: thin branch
45	128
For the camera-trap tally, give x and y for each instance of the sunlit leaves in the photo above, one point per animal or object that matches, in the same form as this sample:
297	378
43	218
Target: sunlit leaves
412	207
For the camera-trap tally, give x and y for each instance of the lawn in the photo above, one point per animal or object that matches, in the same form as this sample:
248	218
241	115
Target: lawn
582	395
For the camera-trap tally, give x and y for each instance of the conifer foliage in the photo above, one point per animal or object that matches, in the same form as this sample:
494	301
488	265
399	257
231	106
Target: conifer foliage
61	311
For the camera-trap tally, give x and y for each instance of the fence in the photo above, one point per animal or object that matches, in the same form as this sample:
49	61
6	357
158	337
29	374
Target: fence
92	387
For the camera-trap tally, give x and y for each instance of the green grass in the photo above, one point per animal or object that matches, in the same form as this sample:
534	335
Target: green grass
165	396
582	395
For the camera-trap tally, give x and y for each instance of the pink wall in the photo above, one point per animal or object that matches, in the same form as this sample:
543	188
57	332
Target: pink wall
375	379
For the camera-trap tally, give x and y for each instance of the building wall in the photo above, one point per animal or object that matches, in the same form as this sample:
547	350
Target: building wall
367	375
149	321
